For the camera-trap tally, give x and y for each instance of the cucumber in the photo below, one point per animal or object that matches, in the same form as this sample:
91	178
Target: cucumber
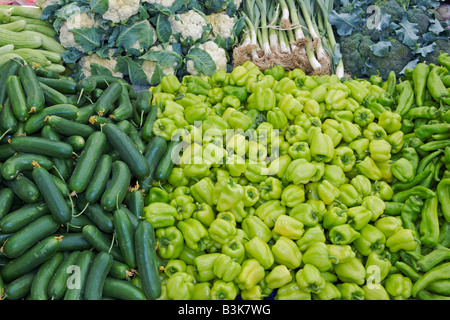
165	166
124	109
62	186
42	146
101	242
6	201
8	121
33	91
76	142
97	121
43	277
125	237
156	149
19	218
84	113
20	287
24	188
143	102
6	151
135	136
99	180
23	161
58	284
53	96
31	259
29	235
17	98
117	187
127	150
146	259
122	290
63	85
102	219
97	276
73	241
53	197
37	121
147	128
120	270
69	128
78	222
84	263
85	166
133	218
106	101
11	68
135	201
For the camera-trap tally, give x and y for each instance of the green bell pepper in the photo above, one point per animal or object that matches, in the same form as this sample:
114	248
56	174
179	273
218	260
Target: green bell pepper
300	171
204	213
371	240
403	239
309	279
156	194
375	291
195	234
358	217
225	268
311	235
170	242
377	267
368	168
340	253
222	290
352	271
292	291
173	266
290	106
204	265
252	272
334	216
235	250
344	157
270	189
202	191
184	205
350	291
270	211
322	147
343	234
278	277
258	249
164	128
289	227
262	99
254	226
286	252
180	286
160	214
388	225
398	286
318	254
403	170
221	230
348	195
390	121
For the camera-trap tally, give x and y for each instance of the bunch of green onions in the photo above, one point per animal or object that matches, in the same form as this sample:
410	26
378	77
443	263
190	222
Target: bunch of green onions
291	33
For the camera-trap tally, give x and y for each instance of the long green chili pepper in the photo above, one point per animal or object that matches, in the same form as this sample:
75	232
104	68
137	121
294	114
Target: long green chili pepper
440	272
419	77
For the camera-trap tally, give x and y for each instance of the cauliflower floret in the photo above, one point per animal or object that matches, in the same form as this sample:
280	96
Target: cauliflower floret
137	44
237	3
110	63
149	66
217	54
189	24
77	20
165	3
222	24
119	10
45	3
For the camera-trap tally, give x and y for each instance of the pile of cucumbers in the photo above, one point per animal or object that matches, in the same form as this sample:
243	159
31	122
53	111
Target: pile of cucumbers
73	167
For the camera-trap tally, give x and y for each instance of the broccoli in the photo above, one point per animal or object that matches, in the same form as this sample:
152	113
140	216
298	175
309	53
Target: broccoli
407	34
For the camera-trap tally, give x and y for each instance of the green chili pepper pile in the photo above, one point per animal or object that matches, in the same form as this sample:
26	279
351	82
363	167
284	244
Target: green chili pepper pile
291	186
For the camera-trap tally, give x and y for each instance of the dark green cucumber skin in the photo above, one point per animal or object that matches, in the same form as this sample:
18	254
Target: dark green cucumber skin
122	290
66	86
58	284
124	110
100	242
53	96
73	241
23	161
99	180
117	187
43	277
33	91
85	166
29	235
156	148
6	201
147	127
106	101
101	218
127	150
24	188
31	259
69	127
42	146
84	262
20	287
11	68
17	98
77	142
147	261
97	276
166	164
8	121
37	121
125	237
17	219
53	196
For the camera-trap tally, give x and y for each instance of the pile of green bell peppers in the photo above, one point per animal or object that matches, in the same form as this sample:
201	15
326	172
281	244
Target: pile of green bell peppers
294	186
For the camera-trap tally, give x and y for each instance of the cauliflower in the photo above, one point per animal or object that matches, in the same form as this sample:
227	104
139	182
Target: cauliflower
85	63
120	10
217	54
222	24
45	3
149	66
188	24
165	3
76	20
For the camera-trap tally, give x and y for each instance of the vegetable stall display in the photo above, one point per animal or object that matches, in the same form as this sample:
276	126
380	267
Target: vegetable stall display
250	182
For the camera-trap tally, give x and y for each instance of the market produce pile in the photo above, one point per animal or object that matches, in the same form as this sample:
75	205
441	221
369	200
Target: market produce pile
249	183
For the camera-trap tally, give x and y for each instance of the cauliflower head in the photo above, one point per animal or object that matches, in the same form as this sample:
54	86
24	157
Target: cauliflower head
149	66
86	61
222	24
45	3
217	54
165	3
120	10
77	20
188	24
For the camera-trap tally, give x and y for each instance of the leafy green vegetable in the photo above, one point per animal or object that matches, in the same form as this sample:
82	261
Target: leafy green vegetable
202	61
132	69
